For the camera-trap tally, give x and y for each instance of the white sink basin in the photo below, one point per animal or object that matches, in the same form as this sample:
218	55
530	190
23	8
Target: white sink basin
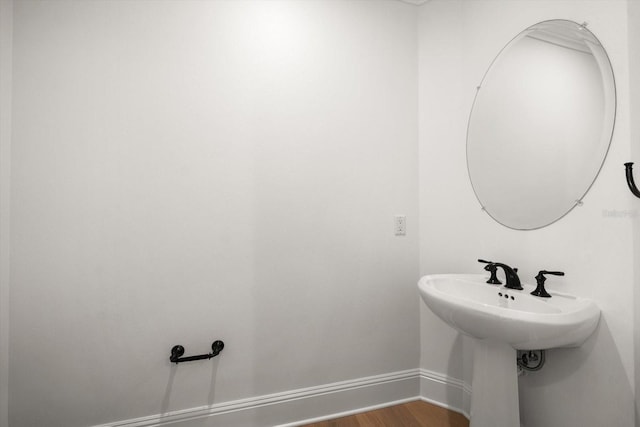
502	321
524	321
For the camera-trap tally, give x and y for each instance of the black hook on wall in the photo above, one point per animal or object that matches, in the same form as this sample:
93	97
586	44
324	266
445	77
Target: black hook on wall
177	351
630	181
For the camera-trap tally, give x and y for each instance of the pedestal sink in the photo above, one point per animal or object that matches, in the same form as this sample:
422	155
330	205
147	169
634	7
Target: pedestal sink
502	321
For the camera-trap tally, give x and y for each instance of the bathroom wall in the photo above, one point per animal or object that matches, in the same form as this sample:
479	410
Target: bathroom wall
230	170
190	171
634	91
589	386
6	20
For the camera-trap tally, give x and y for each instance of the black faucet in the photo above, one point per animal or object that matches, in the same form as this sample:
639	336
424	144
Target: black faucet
511	274
513	281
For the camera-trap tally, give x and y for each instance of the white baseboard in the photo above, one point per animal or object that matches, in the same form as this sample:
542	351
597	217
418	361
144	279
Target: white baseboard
445	391
313	404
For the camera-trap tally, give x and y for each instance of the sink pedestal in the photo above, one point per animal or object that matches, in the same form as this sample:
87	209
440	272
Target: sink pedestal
494	387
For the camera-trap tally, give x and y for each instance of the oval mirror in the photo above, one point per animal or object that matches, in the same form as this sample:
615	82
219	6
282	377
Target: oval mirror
541	124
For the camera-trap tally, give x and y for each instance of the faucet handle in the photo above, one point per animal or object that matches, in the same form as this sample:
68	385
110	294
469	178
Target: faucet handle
555	273
491	267
540	291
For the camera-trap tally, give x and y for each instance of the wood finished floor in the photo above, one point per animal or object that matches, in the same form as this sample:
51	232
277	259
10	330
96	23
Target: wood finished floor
412	414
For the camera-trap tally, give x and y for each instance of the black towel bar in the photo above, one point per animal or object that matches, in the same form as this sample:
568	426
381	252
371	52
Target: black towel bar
177	351
630	182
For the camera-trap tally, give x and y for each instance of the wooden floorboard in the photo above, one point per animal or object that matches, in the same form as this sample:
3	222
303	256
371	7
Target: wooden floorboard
412	414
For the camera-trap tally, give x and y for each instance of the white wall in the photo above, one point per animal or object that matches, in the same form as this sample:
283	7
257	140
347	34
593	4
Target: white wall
190	171
634	90
230	170
6	21
589	386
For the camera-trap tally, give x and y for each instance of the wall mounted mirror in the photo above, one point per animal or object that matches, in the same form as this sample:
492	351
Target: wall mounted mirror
541	124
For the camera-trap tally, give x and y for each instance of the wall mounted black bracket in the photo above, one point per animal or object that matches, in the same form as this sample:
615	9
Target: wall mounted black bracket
177	351
630	181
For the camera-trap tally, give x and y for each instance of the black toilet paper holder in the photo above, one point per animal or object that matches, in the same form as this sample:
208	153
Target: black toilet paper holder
177	351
